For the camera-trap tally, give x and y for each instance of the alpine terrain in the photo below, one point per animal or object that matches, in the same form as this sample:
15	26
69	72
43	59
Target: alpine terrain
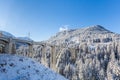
91	53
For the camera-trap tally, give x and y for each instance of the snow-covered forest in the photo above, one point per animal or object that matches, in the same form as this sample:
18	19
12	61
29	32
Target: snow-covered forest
91	53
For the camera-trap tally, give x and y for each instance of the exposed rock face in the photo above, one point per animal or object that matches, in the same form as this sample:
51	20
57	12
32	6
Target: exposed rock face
21	68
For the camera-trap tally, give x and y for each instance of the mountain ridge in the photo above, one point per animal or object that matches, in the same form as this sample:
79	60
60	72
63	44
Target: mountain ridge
72	35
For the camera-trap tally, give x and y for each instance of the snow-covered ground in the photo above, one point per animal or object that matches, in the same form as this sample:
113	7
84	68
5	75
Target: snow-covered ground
21	68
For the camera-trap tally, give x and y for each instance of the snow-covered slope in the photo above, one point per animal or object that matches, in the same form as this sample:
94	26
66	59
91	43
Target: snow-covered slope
21	68
82	34
7	34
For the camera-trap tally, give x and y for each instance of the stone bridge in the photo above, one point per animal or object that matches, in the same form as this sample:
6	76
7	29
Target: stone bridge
8	45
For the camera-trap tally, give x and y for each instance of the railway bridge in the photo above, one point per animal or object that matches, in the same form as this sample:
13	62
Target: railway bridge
8	44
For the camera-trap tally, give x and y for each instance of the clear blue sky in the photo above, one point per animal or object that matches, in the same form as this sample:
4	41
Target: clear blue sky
43	18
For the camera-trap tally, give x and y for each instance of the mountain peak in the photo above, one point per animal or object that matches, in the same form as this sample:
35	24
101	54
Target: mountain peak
75	34
97	28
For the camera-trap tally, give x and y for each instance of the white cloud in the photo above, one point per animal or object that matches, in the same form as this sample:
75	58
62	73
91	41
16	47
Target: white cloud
63	28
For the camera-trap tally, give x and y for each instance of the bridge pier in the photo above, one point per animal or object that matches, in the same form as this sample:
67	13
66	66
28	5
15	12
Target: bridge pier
8	45
30	50
11	46
7	48
53	58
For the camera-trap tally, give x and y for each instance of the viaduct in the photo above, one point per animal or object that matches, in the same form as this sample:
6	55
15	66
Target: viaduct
8	44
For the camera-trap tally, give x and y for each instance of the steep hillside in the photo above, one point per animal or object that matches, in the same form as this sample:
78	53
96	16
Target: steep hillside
91	53
21	68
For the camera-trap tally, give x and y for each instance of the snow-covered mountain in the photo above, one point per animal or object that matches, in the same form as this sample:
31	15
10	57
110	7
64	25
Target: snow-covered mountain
91	53
7	34
81	35
21	68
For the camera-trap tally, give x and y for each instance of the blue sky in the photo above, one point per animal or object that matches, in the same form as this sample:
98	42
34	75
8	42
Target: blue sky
43	18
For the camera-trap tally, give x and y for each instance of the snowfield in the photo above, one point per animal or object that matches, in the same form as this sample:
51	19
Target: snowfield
14	67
